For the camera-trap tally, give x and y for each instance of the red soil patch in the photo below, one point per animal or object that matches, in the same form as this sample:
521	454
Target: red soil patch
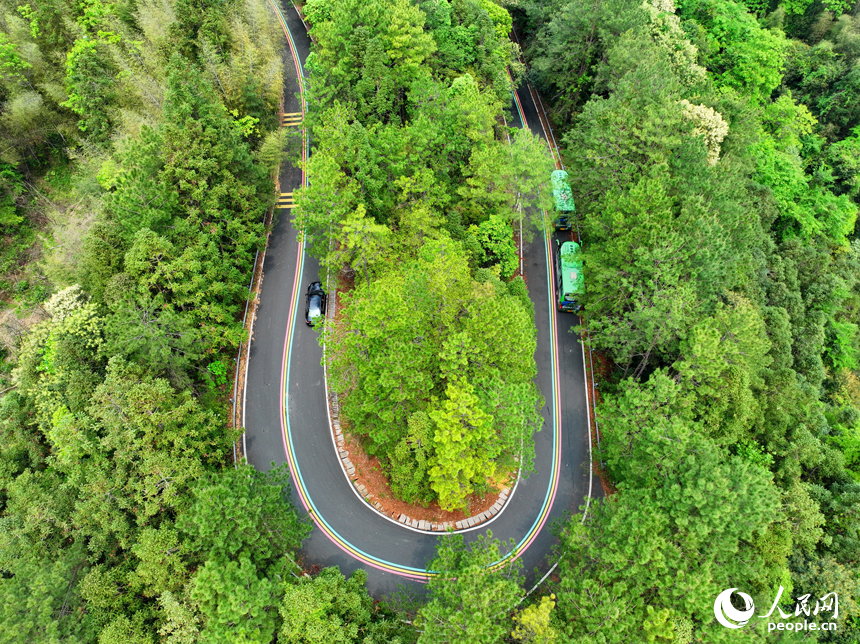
369	474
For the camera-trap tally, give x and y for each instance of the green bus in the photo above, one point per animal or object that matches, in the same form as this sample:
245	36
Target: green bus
569	280
563	197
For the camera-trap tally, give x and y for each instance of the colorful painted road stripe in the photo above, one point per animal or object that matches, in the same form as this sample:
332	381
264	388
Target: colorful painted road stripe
341	542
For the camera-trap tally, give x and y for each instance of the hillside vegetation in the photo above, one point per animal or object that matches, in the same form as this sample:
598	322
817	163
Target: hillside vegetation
138	144
712	147
415	187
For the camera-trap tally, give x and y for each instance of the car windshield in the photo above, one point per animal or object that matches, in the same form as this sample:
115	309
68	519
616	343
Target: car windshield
314	306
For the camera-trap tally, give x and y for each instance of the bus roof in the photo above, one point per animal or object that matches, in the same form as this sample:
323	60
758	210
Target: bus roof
561	191
572	279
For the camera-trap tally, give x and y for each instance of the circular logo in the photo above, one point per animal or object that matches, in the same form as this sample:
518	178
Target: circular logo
724	611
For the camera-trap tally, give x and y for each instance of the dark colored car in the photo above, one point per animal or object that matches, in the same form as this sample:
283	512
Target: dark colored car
315	303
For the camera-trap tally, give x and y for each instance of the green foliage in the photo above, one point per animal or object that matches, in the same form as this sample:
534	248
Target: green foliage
42	602
502	180
143	330
198	22
533	623
138	168
89	82
325	608
497	243
843	158
399	318
392	43
410	96
410	460
471	36
843	351
502	20
365	239
143	440
243	514
471	600
59	362
318	10
416	316
190	244
463	446
417	329
808	209
517	287
236	603
645	275
821	74
744	56
218	372
670	546
722	359
122	629
721	282
330	608
502	378
813	574
181	623
11	63
632	455
752	452
570	38
838	503
161	568
657	626
107	599
13	225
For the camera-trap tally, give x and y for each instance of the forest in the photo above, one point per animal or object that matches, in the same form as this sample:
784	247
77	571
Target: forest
714	151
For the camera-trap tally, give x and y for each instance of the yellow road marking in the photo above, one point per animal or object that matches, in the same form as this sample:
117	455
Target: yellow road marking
288	119
285	200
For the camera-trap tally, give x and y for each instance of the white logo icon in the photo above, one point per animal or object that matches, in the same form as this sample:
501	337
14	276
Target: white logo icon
723	609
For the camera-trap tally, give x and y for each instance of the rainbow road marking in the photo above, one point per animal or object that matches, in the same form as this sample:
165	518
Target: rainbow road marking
419	574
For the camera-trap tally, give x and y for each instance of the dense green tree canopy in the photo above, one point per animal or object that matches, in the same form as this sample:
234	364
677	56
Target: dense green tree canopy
713	149
470	598
136	130
709	149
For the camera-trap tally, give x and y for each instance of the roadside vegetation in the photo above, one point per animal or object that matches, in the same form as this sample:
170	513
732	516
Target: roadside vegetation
138	143
416	187
713	150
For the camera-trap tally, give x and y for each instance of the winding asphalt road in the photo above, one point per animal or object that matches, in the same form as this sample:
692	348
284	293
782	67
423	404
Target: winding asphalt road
285	412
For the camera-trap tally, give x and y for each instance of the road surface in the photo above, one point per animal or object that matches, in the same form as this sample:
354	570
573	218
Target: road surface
286	421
